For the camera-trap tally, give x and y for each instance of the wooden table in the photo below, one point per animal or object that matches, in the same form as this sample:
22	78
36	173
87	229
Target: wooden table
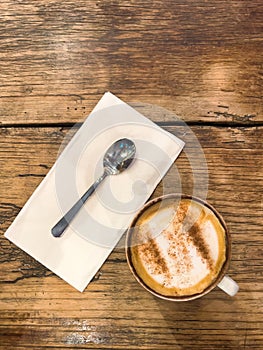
200	60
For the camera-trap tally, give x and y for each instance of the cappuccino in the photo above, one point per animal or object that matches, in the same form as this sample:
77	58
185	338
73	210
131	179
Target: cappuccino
177	247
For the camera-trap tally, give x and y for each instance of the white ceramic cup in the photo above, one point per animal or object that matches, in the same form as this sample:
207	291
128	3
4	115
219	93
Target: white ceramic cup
223	281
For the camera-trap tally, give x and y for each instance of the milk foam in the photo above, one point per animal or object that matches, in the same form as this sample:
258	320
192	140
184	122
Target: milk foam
180	255
185	265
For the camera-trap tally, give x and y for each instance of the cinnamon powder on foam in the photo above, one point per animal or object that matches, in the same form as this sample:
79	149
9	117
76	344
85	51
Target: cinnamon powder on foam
179	260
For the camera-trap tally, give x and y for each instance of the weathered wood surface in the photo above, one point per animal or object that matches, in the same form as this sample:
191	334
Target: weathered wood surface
202	59
39	310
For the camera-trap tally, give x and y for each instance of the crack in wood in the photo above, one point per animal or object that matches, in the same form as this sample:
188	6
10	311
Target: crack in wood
237	118
34	175
44	274
44	166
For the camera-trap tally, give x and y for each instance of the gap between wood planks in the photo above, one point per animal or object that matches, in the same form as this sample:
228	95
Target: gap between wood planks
170	123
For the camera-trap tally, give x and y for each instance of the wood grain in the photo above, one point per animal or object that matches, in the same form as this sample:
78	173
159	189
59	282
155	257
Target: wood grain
39	310
199	60
202	60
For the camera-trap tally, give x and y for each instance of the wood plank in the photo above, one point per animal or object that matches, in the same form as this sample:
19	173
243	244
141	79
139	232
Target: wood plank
40	310
201	60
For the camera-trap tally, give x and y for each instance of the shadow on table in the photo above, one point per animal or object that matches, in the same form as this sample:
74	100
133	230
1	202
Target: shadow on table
211	322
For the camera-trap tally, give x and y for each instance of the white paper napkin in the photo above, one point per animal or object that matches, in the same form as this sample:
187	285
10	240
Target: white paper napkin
79	253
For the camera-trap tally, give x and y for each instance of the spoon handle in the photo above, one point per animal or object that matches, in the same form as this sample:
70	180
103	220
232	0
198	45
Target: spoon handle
63	223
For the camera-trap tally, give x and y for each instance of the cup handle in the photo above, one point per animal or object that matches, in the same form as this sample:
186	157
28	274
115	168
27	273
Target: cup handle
228	285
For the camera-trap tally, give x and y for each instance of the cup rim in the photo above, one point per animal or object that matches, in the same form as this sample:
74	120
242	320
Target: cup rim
223	270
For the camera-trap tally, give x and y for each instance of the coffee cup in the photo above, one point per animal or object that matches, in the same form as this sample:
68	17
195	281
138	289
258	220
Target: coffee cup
178	247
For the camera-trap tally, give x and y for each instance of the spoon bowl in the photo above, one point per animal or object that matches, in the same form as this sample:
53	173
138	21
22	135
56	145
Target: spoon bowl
119	156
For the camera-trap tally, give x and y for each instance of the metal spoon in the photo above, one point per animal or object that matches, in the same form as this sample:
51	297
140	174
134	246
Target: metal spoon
116	159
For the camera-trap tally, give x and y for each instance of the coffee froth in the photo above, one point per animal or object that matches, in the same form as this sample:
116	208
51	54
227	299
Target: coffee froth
178	247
